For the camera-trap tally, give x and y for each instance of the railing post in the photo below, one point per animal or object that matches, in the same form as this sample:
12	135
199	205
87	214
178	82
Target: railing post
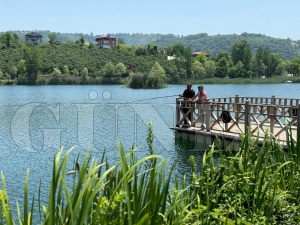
177	112
272	120
191	108
236	108
207	114
298	125
246	115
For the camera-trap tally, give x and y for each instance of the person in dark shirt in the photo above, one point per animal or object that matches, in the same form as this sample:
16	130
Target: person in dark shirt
187	95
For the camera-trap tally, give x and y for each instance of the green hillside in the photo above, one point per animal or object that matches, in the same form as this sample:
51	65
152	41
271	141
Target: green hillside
289	49
144	59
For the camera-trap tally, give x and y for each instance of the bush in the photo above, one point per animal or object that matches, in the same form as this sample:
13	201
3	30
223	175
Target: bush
137	80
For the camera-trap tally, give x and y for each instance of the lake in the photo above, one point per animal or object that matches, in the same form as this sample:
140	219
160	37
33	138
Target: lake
36	121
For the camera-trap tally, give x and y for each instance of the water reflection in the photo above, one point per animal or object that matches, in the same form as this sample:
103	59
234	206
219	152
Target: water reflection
184	150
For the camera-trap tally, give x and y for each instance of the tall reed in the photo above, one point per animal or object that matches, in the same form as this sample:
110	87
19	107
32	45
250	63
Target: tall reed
133	191
258	184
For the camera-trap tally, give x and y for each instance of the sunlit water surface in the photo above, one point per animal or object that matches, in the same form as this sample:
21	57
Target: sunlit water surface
36	121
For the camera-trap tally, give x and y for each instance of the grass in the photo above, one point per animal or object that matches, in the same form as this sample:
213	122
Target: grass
256	185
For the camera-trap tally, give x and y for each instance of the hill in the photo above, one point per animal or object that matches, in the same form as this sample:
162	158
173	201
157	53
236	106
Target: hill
288	48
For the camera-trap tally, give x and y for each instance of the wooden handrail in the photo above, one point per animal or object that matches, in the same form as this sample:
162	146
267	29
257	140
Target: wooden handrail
260	113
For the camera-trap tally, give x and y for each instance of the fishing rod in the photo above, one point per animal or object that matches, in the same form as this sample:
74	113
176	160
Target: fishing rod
145	99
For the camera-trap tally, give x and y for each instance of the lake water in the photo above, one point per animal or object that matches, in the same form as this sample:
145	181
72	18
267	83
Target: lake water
36	121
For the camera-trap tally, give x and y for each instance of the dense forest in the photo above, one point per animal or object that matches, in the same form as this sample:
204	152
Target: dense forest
143	60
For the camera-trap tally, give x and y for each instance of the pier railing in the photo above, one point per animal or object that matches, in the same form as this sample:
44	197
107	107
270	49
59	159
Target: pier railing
238	114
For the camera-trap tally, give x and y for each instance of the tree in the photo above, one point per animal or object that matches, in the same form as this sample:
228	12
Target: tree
84	72
75	72
261	69
122	47
201	57
32	64
52	38
65	69
241	51
295	67
91	46
176	50
232	72
22	67
16	37
140	51
182	74
296	61
222	54
152	49
14	72
223	64
157	70
198	70
281	69
7	39
188	60
183	58
263	60
222	68
120	41
84	75
257	67
240	71
81	40
108	70
120	69
56	72
274	60
210	68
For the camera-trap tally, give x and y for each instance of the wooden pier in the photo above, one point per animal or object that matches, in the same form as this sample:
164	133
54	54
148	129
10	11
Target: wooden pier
228	117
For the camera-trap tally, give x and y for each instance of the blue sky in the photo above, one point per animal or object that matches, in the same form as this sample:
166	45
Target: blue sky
275	18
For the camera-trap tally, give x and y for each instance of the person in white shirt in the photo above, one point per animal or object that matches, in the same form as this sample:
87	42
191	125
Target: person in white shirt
202	96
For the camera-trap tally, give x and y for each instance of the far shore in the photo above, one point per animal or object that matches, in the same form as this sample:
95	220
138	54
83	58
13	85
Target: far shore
76	80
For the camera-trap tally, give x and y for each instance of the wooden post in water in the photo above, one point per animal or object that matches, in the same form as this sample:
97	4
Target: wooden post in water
207	114
246	115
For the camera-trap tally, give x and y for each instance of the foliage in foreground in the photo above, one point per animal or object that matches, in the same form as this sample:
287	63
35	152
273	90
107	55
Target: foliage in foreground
256	185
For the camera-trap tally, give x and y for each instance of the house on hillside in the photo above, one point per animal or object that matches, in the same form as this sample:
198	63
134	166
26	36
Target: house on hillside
197	53
34	38
106	41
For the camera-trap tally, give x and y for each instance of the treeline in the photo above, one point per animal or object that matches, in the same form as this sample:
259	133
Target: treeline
287	48
81	62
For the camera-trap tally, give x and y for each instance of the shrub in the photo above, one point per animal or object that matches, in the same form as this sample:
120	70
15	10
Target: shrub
138	80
